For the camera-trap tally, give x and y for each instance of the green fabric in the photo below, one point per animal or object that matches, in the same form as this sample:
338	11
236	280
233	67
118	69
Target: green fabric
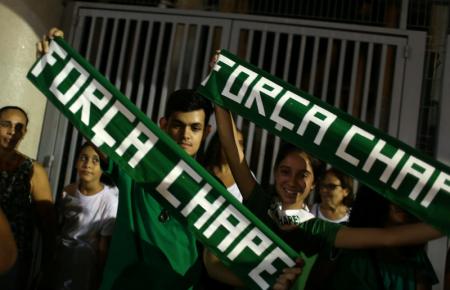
314	236
161	168
397	171
357	270
145	252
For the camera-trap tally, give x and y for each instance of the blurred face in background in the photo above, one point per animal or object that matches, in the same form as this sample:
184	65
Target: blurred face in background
331	191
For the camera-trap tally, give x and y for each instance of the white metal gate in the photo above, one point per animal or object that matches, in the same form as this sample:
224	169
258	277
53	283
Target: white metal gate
372	73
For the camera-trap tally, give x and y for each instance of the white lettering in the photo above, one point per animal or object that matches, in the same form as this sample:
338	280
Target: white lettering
341	151
88	97
266	266
101	136
74	88
441	183
233	230
264	86
391	162
422	173
280	122
49	58
249	242
199	199
324	124
142	147
163	187
251	76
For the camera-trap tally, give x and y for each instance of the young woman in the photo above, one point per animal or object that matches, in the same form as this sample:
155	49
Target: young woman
25	190
335	197
294	179
87	211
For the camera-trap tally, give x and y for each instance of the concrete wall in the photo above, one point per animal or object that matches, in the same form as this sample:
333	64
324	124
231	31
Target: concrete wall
22	23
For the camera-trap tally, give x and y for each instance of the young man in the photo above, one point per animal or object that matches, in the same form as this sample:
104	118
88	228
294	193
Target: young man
150	249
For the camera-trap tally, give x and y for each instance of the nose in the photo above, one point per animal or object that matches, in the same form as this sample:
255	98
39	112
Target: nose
186	133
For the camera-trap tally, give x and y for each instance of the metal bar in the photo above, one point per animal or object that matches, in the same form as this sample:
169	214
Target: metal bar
205	69
118	81
312	76
89	44
141	85
240	119
367	82
298	80
251	127
111	51
262	153
134	48
194	60
101	43
352	91
397	90
338	92
152	92
182	53
164	91
381	81
404	11
327	69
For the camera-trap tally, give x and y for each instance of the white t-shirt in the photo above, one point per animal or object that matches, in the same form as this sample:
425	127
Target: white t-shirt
84	220
315	210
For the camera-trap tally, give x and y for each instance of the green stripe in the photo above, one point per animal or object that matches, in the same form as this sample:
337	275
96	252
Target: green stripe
413	180
107	118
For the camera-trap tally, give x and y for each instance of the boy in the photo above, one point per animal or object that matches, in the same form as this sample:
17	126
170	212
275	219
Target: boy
150	249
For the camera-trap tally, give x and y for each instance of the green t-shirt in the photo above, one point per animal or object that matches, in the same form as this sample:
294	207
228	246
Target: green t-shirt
150	249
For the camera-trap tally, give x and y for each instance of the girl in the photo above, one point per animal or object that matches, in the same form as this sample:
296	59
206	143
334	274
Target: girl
87	210
335	197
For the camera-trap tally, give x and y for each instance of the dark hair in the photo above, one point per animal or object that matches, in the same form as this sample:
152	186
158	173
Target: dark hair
6	108
212	153
369	209
104	162
346	182
317	165
186	100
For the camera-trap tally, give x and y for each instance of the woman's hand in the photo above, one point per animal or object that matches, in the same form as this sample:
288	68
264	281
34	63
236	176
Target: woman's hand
42	45
288	277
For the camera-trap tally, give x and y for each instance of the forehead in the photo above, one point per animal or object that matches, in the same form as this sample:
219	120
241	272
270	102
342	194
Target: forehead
88	150
188	118
297	159
13	114
330	176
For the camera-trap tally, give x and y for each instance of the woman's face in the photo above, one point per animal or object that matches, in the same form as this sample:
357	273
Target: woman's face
13	126
88	165
294	179
331	191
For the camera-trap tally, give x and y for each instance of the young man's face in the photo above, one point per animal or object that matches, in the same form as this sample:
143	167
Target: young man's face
188	129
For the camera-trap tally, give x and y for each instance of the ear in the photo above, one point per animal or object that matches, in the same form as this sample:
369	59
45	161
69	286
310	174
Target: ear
206	132
163	123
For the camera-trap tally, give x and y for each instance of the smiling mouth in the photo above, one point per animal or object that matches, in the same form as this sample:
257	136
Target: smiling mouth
292	193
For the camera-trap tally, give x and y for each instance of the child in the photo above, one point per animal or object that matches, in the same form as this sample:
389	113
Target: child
87	211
